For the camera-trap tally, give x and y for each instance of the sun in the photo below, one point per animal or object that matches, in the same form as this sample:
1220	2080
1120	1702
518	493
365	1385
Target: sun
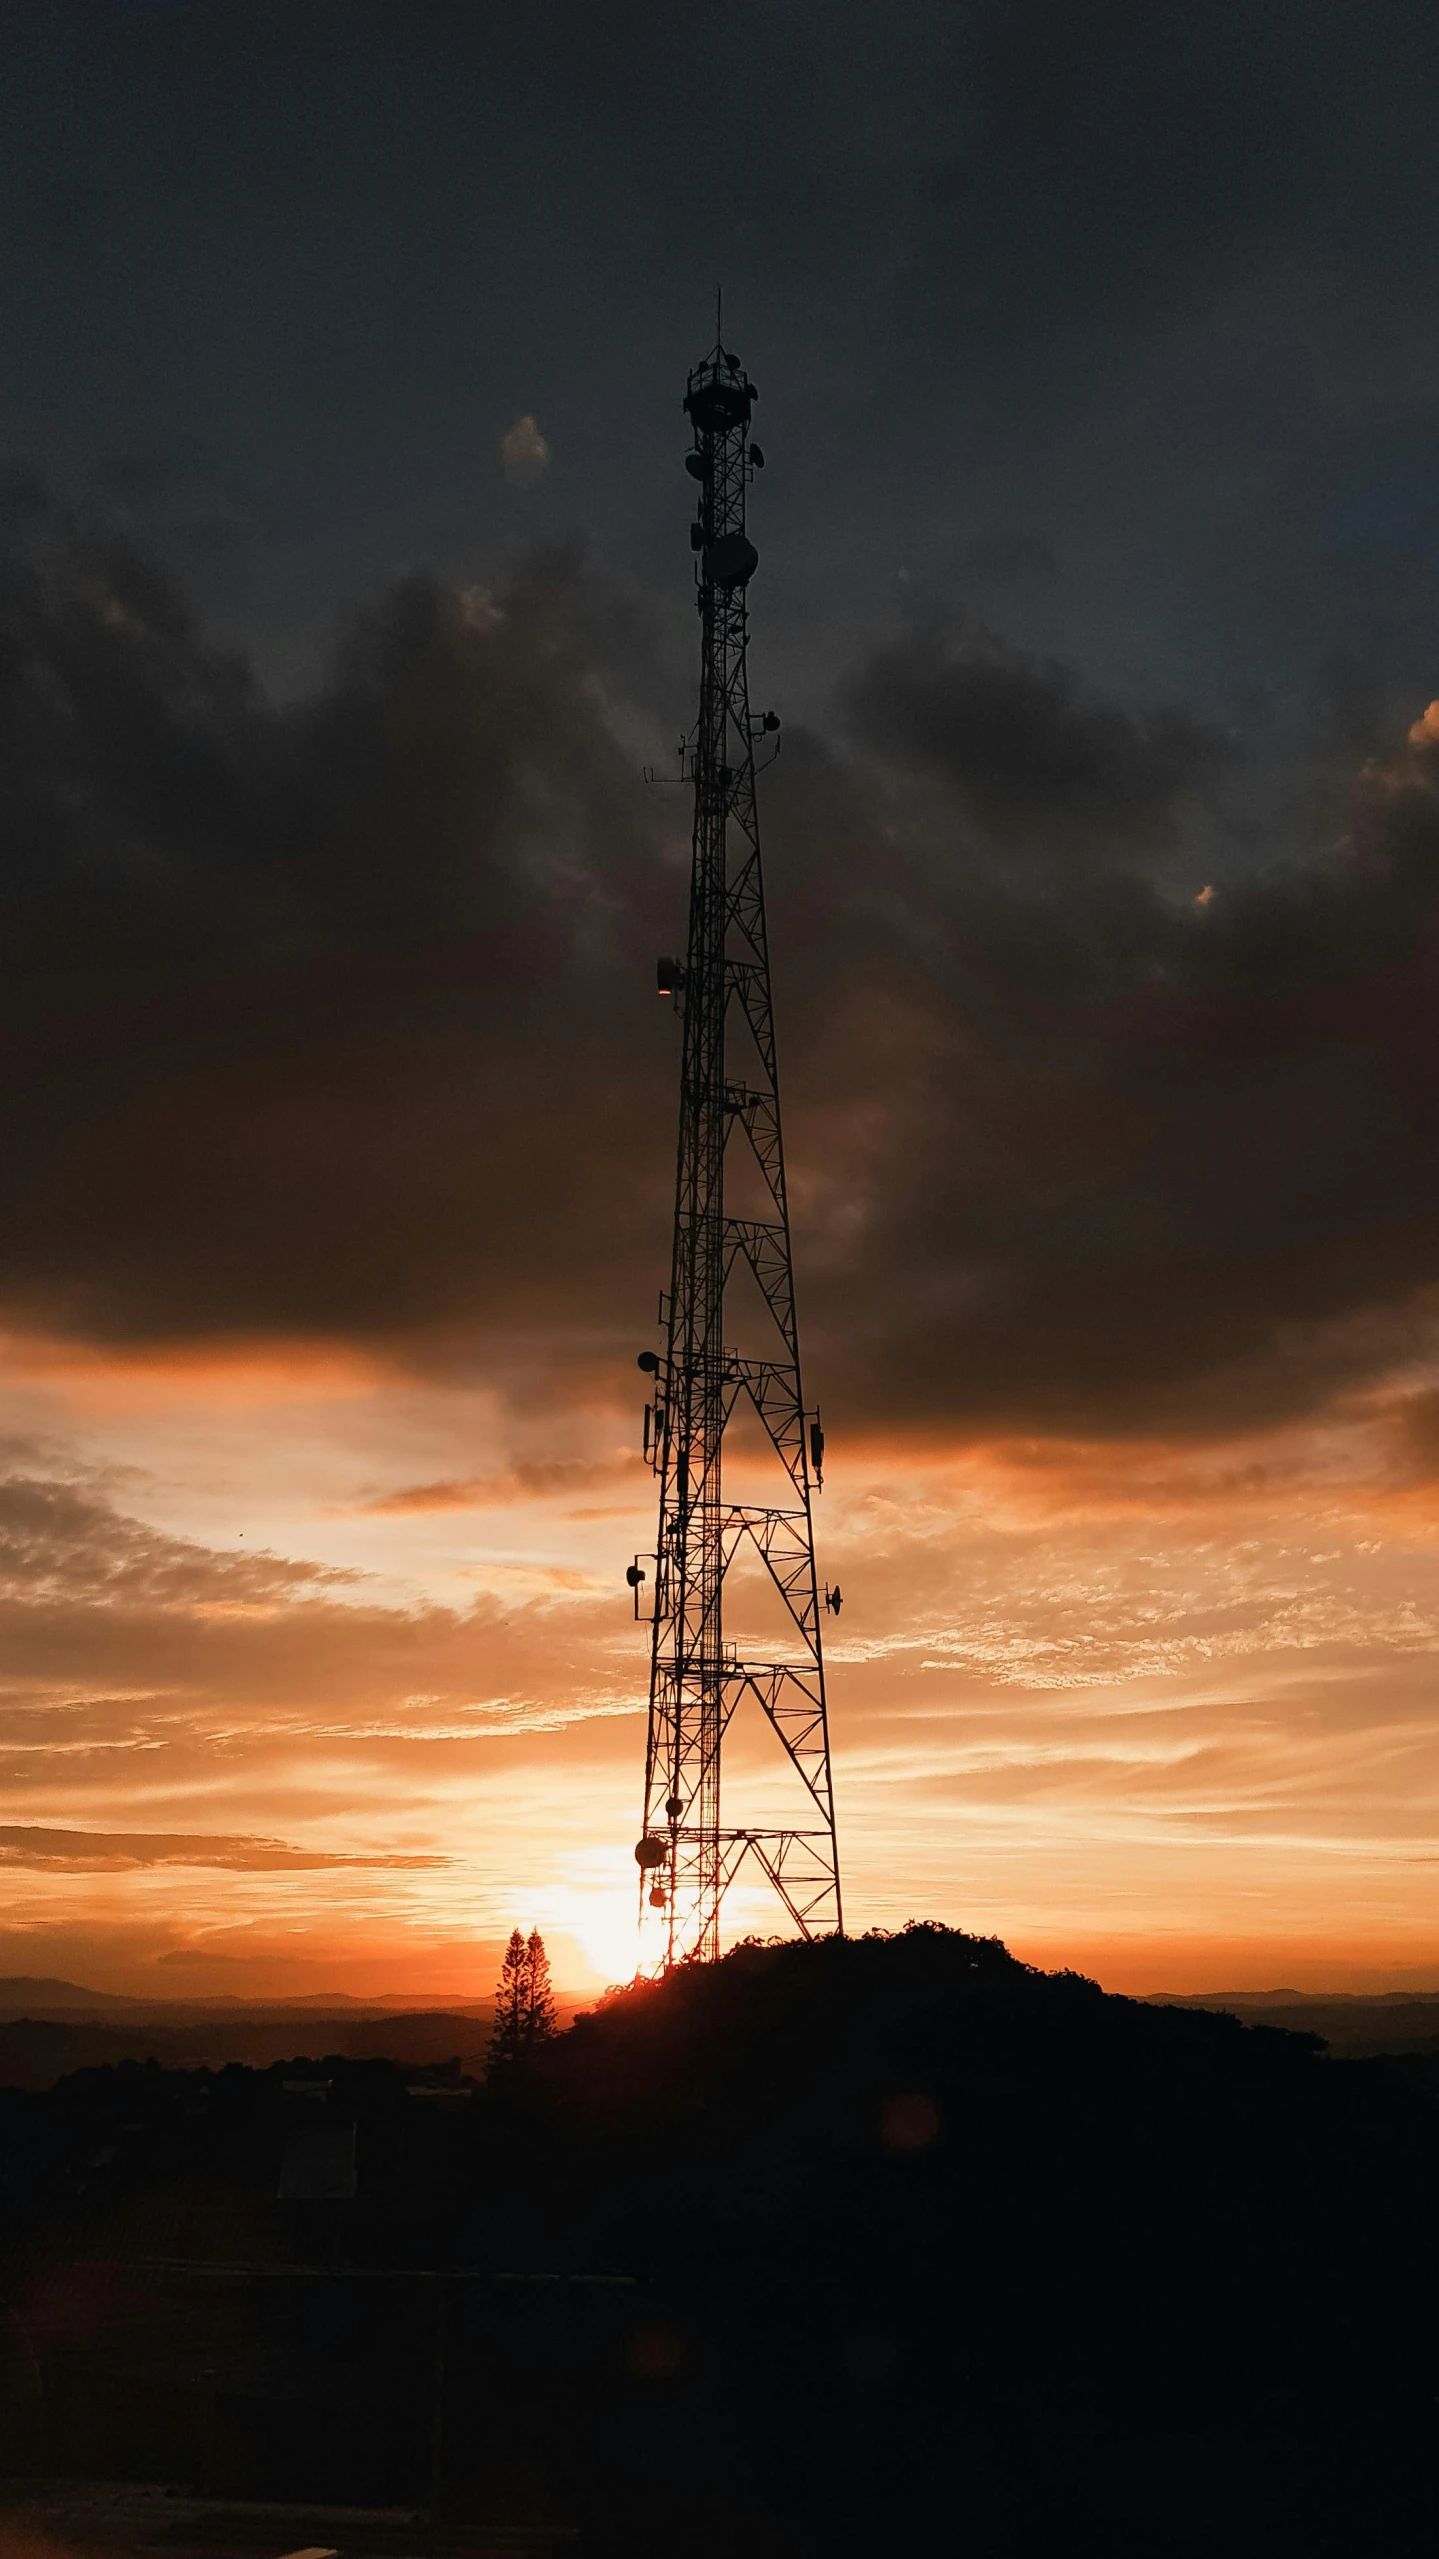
602	1919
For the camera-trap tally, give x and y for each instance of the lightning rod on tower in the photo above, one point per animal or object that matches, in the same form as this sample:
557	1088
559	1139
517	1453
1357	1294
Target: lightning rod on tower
729	1098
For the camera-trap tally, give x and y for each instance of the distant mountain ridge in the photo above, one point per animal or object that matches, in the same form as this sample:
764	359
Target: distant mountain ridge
1356	2025
35	1995
1290	1998
50	2028
28	1990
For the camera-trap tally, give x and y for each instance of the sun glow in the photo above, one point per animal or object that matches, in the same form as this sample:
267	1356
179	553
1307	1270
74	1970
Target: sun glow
601	1917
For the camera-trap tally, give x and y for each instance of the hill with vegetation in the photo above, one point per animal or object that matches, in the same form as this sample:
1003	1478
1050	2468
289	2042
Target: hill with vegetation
889	2241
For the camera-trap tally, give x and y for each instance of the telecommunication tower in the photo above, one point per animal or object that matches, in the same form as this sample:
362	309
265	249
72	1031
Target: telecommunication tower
729	1098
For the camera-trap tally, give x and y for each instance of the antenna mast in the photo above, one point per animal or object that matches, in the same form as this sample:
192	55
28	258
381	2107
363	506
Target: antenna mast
729	1096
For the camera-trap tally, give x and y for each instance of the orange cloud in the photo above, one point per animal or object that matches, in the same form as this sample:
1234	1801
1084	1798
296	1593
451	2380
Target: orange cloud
116	1852
537	1480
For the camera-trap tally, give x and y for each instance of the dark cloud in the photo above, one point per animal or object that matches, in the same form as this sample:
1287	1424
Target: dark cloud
330	1020
307	1006
1030	756
1131	1155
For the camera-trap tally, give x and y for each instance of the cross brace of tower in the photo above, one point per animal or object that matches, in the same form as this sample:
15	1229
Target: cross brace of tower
687	1856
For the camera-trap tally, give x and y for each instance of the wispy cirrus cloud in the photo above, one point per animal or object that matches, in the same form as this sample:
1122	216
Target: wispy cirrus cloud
534	1480
121	1641
80	1852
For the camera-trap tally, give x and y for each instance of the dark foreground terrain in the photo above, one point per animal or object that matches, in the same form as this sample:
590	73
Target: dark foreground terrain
887	2245
35	2051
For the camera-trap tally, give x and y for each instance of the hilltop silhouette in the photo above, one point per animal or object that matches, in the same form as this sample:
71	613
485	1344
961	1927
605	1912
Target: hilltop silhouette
961	2250
882	2242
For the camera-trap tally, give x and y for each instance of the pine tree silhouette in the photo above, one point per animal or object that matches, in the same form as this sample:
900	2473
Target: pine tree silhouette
507	2035
524	2002
540	2018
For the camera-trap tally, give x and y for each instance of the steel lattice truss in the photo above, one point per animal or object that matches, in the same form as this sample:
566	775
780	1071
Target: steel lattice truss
688	1858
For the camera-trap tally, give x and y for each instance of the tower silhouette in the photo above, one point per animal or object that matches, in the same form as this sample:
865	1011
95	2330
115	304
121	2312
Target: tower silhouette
729	1099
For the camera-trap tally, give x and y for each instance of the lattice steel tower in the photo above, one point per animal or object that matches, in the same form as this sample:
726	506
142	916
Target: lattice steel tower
729	1098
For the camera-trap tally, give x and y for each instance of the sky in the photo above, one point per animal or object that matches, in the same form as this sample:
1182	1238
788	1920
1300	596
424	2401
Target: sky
346	602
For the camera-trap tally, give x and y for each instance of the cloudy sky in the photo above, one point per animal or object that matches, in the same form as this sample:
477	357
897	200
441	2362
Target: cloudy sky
345	597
